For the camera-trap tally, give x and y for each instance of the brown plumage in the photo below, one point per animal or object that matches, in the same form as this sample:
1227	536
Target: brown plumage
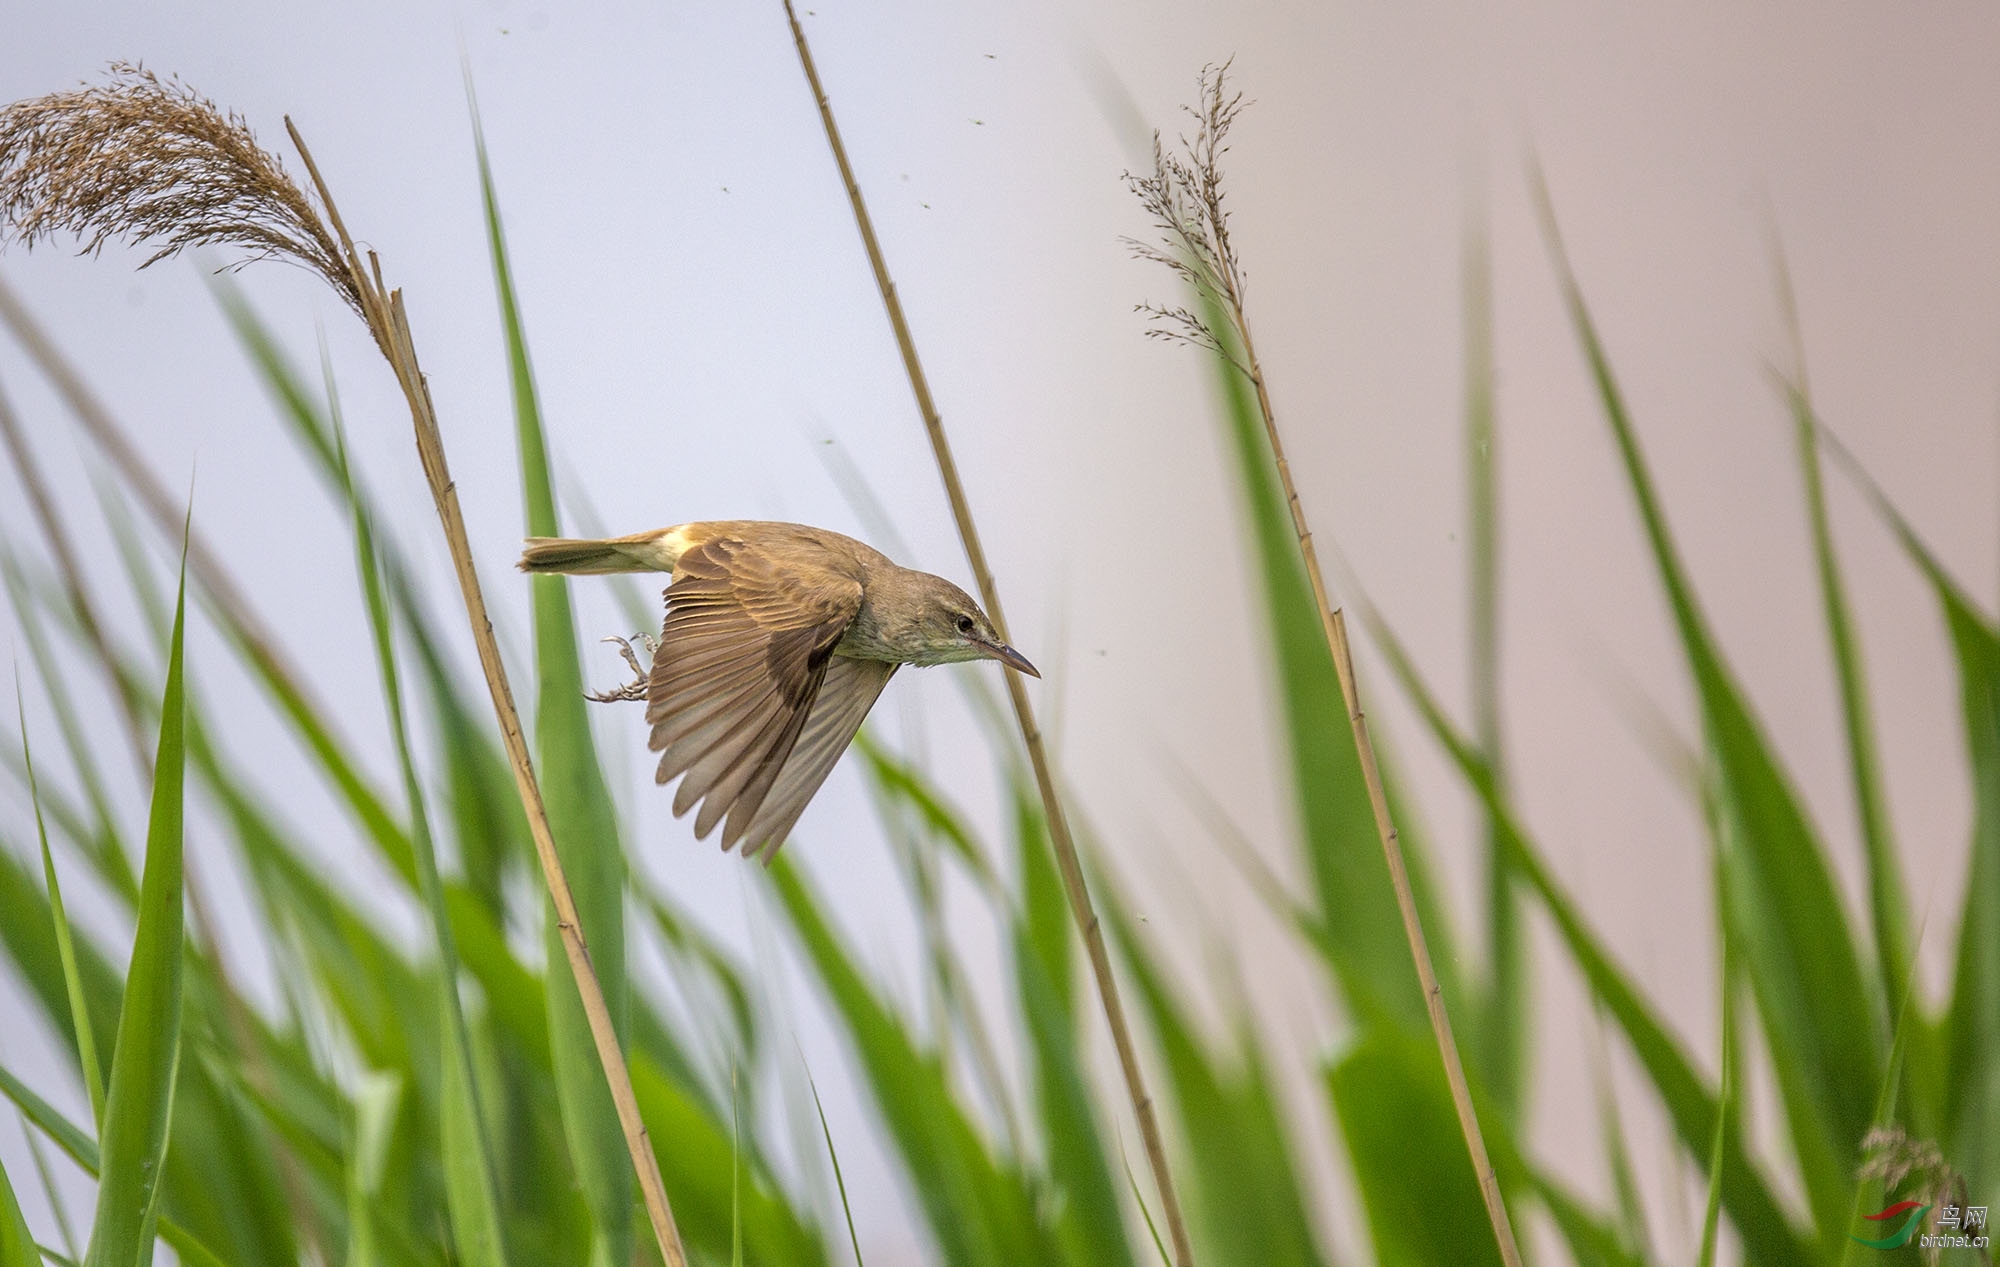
778	639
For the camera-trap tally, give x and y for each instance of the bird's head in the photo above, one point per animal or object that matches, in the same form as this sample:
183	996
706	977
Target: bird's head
936	622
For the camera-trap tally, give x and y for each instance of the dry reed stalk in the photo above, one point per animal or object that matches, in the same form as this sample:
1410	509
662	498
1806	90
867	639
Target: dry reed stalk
1067	860
150	161
1185	197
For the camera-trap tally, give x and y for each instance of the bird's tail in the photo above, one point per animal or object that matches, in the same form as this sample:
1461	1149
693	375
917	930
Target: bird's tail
655	551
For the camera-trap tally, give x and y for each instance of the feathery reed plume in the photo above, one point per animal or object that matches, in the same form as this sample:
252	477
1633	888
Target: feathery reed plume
156	163
1068	863
1184	195
142	159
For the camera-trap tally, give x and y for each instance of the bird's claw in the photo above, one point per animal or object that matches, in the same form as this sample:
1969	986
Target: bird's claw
635	689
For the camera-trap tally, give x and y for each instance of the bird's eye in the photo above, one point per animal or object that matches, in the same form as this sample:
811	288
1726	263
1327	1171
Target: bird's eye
965	624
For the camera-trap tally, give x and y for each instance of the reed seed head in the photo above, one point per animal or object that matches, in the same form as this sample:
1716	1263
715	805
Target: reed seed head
152	162
1184	195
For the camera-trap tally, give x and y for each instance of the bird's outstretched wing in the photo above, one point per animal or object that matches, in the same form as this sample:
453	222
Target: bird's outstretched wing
849	691
743	654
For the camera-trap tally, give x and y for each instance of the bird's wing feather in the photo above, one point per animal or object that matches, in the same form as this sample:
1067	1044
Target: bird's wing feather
849	691
746	645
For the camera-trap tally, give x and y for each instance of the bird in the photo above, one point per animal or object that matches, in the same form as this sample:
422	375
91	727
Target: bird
778	639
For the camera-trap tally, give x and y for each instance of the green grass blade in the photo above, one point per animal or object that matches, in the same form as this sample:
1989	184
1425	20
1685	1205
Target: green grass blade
471	1188
839	1182
17	1243
1145	1214
79	1014
1396	1117
340	766
1245	1194
1693	1110
735	1176
145	1058
49	1193
1826	1019
700	962
1501	1022
1888	899
1365	943
1711	1219
375	1106
1592	1242
71	824
76	1144
102	846
1871	1193
490	826
221	1152
1971	1134
696	1167
1091	1223
82	1150
980	1214
579	806
917	819
1617	1148
1973	1020
902	783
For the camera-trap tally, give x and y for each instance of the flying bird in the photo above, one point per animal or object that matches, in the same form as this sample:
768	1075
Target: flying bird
777	641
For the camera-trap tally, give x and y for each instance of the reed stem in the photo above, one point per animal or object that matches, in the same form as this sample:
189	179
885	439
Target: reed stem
1334	626
1067	860
389	323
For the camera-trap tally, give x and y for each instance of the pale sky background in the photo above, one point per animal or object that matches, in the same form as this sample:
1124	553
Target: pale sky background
702	320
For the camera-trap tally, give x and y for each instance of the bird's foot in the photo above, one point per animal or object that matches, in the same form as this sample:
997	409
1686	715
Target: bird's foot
635	689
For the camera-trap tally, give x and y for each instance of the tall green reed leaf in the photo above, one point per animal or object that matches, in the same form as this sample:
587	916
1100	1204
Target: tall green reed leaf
1248	1203
1971	1094
1395	1115
1091	1223
1501	1021
375	1105
82	1150
17	1243
1825	1018
1888	899
79	1013
1688	1102
833	1158
145	1058
101	844
579	805
337	760
470	1185
57	1210
698	1168
1711	1219
1615	1143
980	1213
1364	934
490	829
1972	1101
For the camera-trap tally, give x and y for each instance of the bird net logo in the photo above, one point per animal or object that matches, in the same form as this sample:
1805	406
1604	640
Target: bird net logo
1956	1227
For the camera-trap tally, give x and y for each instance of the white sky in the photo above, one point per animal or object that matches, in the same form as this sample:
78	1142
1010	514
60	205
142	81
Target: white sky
702	321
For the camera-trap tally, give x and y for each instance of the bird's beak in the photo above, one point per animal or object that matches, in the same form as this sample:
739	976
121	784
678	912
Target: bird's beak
1011	658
